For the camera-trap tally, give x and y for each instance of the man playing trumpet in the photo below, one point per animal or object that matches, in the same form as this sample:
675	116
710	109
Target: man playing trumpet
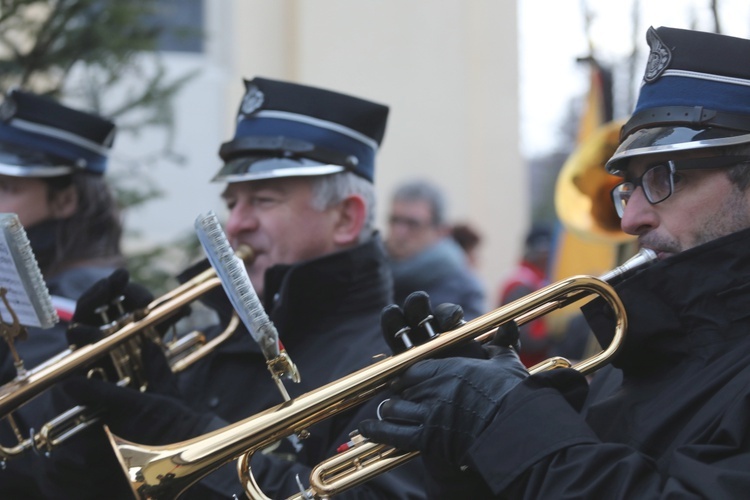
670	418
299	174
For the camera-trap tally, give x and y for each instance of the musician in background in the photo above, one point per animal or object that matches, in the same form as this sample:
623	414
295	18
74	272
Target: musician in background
299	190
52	164
671	416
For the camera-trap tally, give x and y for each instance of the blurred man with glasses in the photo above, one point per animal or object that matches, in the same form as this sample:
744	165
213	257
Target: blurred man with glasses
670	418
423	255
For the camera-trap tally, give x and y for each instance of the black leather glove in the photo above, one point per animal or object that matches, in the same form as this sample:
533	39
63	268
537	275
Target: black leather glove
109	299
85	465
101	298
445	404
417	322
142	417
507	335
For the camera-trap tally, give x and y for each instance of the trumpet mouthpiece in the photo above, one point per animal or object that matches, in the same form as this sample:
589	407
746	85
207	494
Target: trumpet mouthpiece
644	257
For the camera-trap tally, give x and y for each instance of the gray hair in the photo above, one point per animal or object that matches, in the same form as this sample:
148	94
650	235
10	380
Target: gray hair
424	191
330	190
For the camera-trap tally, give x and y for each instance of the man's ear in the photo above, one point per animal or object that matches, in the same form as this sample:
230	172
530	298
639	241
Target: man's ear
351	219
65	203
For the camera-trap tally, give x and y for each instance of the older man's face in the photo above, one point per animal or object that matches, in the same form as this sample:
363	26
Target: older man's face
276	218
704	206
411	229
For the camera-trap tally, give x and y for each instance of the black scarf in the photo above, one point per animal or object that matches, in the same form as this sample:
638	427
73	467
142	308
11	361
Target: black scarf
43	239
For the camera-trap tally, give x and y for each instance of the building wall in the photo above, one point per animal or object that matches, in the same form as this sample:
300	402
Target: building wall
448	70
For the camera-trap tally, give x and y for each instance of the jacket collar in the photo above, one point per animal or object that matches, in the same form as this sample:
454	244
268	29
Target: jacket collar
297	296
685	302
349	282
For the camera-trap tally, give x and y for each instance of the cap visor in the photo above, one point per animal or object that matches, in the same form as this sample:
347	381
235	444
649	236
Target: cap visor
657	140
16	161
250	168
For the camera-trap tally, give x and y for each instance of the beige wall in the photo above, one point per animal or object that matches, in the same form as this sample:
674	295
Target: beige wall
448	70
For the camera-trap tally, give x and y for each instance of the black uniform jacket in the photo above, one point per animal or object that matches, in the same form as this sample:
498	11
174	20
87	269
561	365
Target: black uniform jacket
17	477
327	312
671	419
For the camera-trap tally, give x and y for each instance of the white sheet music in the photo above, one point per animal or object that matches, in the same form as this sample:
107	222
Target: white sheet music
233	275
26	293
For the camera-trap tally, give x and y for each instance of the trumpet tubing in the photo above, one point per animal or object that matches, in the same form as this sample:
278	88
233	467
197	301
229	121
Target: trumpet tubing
166	471
343	471
181	363
20	391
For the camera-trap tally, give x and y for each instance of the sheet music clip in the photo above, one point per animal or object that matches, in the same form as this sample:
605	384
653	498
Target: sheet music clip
24	298
236	283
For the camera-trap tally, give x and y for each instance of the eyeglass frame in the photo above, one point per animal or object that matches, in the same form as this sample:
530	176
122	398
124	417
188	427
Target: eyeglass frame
410	223
710	162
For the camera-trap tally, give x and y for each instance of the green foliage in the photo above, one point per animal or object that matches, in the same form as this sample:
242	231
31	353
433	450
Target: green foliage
131	197
159	279
43	39
83	49
102	55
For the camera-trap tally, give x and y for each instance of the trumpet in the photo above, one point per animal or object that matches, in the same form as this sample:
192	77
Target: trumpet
166	471
121	342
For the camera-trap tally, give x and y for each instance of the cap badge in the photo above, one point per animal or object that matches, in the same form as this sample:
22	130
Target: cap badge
658	58
252	101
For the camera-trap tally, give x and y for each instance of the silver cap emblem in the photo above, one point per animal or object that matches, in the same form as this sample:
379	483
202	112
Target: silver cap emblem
659	57
252	101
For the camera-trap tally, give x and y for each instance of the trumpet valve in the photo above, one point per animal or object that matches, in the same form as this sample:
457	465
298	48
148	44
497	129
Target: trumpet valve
392	320
403	336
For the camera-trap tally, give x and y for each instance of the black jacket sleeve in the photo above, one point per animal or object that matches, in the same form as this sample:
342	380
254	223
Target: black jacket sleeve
539	446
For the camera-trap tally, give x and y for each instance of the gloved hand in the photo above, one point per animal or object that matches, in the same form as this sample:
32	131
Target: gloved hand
416	323
507	335
85	465
445	404
142	417
103	295
109	299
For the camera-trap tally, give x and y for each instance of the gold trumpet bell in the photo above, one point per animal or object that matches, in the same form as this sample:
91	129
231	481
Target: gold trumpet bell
582	193
161	472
